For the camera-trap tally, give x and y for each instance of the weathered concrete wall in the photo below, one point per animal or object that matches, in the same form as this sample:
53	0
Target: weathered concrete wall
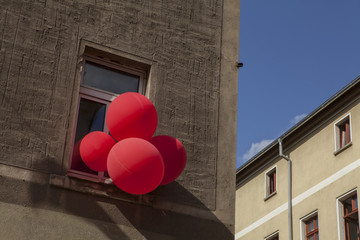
192	49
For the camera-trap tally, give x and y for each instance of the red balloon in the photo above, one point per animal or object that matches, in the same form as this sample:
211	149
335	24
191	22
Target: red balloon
135	166
131	115
173	154
94	149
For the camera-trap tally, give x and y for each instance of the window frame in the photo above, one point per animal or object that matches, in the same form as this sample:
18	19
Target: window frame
100	96
339	146
271	171
304	234
340	212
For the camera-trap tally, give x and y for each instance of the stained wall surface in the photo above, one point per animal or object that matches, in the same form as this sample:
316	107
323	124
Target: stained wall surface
190	50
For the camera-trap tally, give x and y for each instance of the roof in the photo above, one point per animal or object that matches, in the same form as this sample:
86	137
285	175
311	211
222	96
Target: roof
304	123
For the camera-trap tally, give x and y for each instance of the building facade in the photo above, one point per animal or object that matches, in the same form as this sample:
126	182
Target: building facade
305	185
63	62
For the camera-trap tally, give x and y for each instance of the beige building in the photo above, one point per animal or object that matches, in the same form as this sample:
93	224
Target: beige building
316	164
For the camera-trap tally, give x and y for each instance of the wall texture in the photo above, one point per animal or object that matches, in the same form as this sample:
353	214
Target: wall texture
191	48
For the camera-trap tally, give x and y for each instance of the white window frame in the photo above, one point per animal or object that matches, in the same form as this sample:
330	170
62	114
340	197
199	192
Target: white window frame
340	214
339	149
272	235
100	96
303	221
267	194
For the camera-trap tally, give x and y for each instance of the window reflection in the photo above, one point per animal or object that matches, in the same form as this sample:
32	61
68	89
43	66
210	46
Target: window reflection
108	79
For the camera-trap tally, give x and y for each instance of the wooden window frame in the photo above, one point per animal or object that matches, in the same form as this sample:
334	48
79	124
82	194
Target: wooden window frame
347	219
343	214
342	126
315	231
271	179
304	232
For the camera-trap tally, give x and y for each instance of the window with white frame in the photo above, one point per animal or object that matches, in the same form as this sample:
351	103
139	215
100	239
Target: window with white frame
348	216
309	227
273	236
270	182
102	80
342	133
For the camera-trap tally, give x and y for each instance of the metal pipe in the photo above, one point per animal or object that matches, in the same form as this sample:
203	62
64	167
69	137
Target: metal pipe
289	190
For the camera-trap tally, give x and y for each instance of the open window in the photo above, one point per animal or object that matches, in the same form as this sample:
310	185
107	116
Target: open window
103	78
342	134
348	216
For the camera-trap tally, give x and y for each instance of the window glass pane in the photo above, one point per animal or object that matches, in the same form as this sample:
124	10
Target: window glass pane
271	179
311	237
353	231
310	226
356	202
347	206
91	118
351	220
108	79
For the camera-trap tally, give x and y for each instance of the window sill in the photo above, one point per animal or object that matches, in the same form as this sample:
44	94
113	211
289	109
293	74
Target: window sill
98	189
343	148
270	195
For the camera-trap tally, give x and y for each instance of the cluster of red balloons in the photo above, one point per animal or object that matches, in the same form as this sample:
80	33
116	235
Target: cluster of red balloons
136	162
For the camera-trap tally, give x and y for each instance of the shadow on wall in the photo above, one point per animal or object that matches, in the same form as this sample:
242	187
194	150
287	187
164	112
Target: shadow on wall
31	209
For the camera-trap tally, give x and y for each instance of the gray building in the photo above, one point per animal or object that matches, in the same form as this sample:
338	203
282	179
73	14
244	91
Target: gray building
181	54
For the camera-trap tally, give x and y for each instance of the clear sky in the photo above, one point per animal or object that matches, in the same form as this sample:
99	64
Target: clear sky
296	55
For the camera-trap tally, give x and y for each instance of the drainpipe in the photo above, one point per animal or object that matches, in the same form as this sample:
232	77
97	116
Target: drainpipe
289	190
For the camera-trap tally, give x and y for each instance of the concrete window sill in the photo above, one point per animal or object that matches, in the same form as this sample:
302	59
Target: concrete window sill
270	195
98	189
343	148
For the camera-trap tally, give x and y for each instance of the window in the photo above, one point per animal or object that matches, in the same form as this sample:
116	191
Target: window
348	216
312	229
342	133
271	185
309	227
273	236
351	218
102	80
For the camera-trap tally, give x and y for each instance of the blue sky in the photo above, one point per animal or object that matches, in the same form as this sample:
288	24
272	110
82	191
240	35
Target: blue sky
296	55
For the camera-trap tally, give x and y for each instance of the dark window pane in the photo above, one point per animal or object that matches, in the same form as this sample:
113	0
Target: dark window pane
91	118
353	231
348	205
108	79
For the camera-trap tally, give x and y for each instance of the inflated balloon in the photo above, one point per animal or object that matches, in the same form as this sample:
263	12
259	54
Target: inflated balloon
135	166
131	115
173	154
94	149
